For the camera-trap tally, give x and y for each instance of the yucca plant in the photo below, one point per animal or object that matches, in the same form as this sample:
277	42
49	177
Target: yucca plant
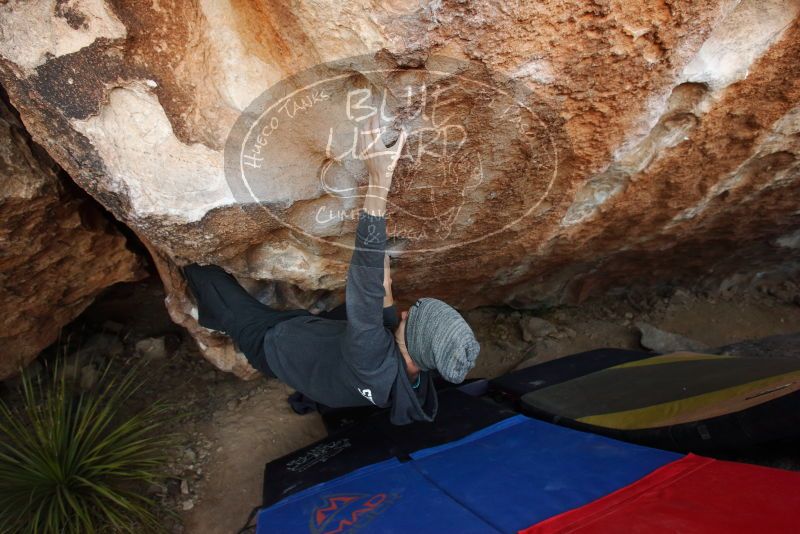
72	462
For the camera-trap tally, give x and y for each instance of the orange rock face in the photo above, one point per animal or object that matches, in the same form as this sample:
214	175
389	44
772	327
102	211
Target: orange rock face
58	250
556	149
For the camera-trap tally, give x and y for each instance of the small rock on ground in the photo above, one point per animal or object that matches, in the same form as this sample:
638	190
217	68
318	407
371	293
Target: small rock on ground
536	327
151	348
664	342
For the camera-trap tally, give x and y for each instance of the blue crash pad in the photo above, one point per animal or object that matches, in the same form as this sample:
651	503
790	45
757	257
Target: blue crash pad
503	478
522	471
384	497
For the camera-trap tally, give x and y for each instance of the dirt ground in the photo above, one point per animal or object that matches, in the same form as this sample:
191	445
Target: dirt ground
234	427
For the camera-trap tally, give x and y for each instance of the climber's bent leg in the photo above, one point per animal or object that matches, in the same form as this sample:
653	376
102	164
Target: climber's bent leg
224	305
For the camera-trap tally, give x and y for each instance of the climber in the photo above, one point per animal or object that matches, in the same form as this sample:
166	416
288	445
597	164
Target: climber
367	357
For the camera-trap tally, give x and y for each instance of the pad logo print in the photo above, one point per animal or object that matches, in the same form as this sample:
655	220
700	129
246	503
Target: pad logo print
320	453
348	512
366	393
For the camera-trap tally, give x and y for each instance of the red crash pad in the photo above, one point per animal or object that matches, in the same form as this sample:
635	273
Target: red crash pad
693	494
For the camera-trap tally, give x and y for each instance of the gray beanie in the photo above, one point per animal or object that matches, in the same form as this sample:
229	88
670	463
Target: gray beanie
437	337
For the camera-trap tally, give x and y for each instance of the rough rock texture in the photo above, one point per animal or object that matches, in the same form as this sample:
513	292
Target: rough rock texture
660	144
57	249
665	342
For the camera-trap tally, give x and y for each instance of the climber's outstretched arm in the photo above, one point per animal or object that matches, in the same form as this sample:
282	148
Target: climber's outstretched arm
367	341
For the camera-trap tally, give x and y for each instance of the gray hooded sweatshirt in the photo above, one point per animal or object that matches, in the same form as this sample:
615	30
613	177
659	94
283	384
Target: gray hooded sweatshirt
354	362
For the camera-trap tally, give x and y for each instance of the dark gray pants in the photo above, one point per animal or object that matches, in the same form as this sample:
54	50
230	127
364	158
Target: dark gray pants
224	305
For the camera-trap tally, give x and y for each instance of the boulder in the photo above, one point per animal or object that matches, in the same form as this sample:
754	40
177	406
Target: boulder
665	342
58	249
557	150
